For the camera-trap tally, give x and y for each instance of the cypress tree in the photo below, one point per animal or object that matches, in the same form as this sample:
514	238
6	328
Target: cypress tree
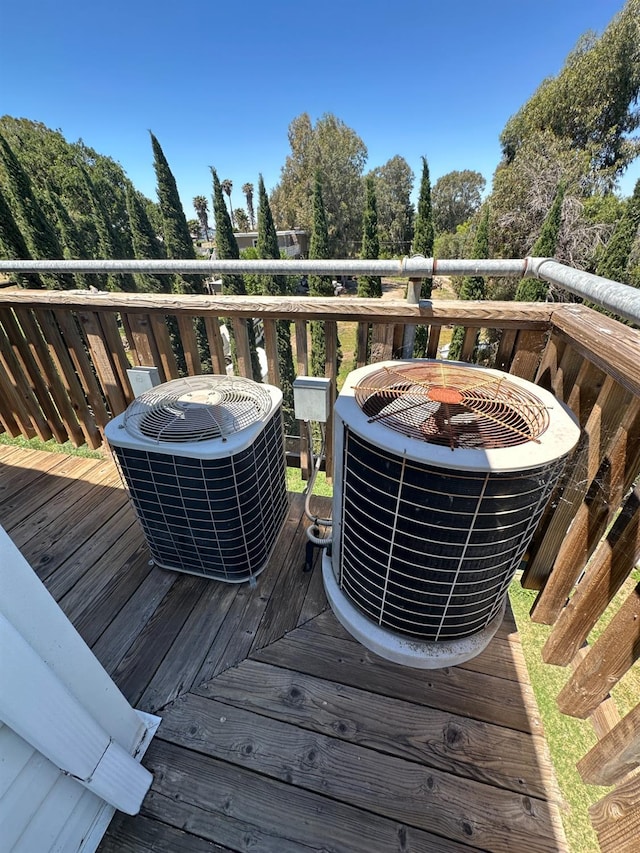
370	285
177	239
13	246
473	286
145	244
423	245
38	234
71	244
232	285
106	239
615	259
319	285
532	289
276	285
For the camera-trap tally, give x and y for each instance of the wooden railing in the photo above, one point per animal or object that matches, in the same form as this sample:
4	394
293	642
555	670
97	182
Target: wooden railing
63	374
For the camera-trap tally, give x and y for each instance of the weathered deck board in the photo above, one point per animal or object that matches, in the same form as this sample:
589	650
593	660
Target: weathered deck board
281	733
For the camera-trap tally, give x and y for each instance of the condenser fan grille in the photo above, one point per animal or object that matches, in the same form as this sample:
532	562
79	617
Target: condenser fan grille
452	405
197	408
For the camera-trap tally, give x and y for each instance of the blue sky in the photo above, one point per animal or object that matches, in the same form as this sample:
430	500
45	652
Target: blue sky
218	83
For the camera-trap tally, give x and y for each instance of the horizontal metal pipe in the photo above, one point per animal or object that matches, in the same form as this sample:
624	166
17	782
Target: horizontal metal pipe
618	298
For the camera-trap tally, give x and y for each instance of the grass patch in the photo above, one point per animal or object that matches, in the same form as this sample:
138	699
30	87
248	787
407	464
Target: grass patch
51	446
569	739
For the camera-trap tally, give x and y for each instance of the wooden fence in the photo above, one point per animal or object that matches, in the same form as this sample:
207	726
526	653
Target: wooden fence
63	374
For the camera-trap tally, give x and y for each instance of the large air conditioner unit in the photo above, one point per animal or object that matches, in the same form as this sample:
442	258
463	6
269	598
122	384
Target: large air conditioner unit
203	461
442	471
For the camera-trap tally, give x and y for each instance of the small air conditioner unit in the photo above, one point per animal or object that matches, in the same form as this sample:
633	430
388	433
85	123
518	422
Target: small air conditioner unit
442	471
203	461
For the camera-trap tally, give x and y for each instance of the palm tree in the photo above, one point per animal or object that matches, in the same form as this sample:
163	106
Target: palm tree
201	207
227	186
247	189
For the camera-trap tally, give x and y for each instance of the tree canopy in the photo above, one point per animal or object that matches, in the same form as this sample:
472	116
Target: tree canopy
591	102
393	186
456	197
339	155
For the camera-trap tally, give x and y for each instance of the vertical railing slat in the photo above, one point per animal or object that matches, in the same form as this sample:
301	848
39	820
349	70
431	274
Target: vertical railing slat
331	371
26	338
596	438
189	344
216	346
105	369
610	657
616	818
271	350
167	365
26	408
243	352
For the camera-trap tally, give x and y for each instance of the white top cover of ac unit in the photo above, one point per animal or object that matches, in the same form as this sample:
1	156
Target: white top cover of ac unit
558	437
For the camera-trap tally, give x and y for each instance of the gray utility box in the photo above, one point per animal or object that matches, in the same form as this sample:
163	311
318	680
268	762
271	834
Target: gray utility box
311	398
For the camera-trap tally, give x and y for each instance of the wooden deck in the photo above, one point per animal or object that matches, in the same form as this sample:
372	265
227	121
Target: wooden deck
279	732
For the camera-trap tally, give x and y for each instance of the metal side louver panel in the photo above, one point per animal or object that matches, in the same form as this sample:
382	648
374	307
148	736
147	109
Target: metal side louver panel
442	473
212	504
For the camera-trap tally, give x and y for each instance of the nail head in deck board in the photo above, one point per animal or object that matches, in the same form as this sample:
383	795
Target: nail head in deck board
615	755
613	653
616	818
461	691
492	754
229	804
462	809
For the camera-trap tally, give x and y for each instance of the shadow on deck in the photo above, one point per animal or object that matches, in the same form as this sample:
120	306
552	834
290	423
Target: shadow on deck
279	732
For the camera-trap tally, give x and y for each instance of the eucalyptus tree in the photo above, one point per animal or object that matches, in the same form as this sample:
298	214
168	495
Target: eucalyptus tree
396	213
337	152
456	197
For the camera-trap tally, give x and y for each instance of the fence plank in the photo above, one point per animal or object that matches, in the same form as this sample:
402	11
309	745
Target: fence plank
434	340
529	347
302	368
113	339
189	345
32	350
550	361
469	342
506	347
271	349
616	818
362	344
107	374
331	370
615	755
381	342
216	345
584	393
26	408
168	365
584	464
613	561
84	372
15	417
142	340
243	351
613	653
567	372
